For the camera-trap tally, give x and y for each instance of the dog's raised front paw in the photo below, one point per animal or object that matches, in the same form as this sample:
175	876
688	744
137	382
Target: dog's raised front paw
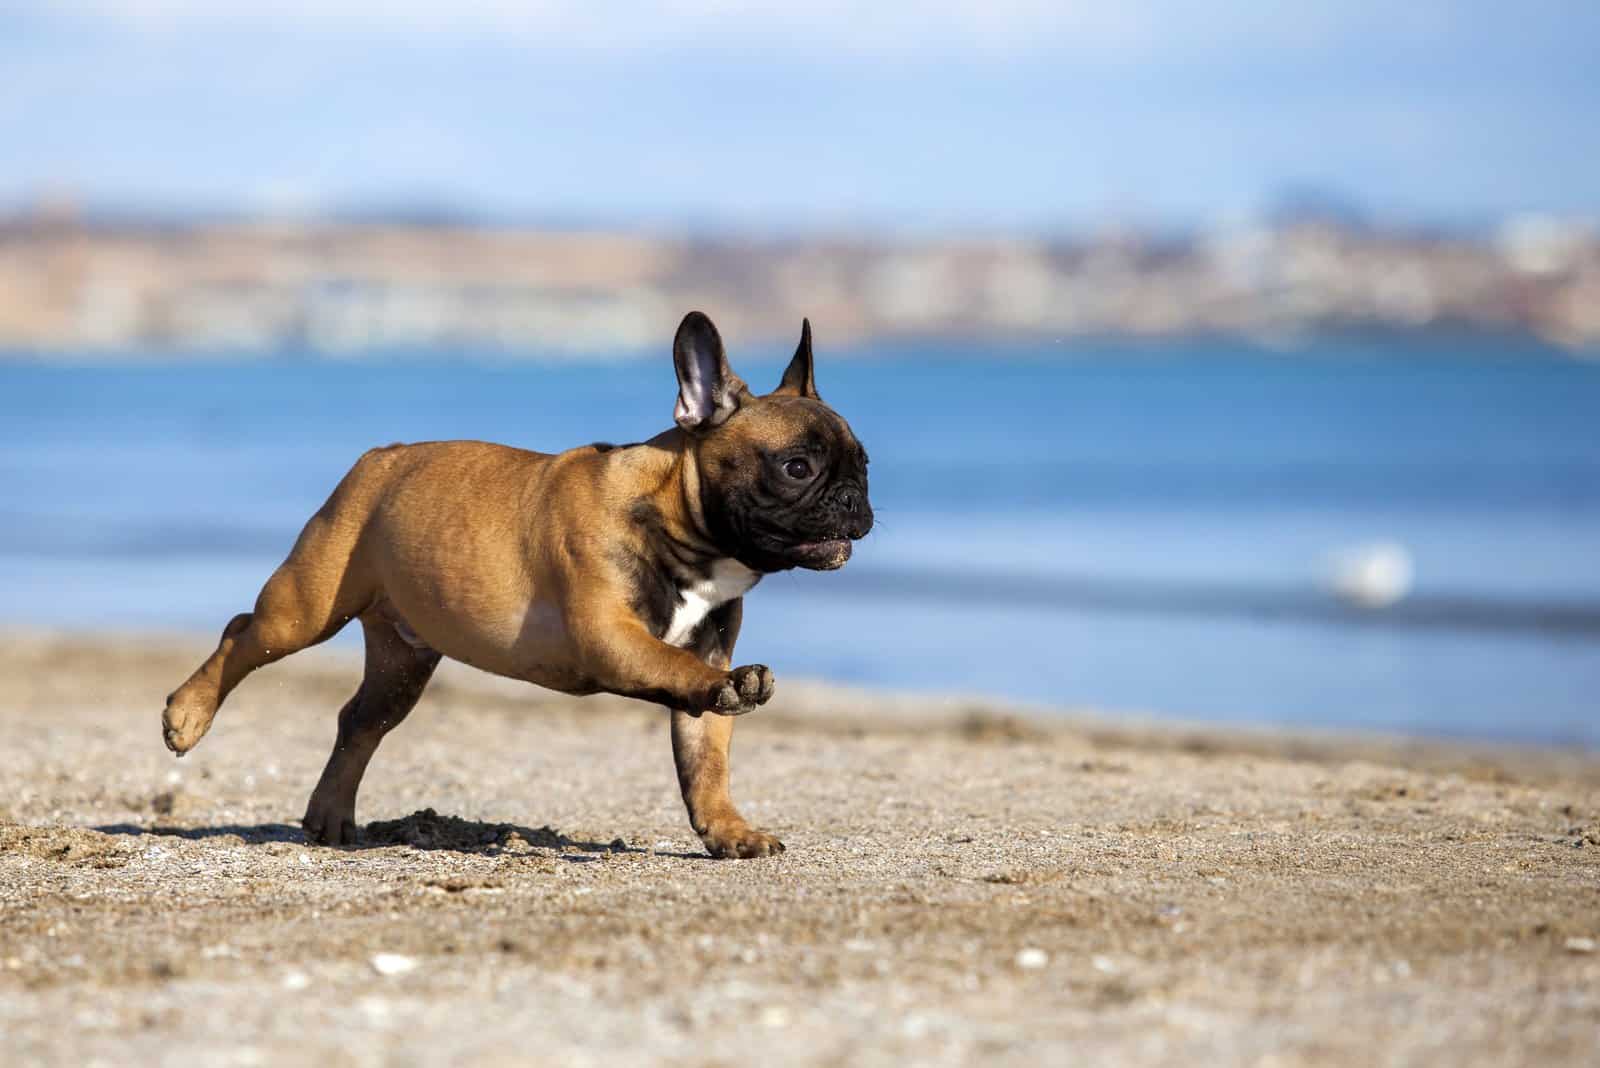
744	690
739	841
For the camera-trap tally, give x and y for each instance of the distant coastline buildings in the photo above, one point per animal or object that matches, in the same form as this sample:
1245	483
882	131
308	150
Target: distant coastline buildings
236	287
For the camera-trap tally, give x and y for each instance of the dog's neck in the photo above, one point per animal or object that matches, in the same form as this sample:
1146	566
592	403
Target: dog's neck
686	475
670	465
691	575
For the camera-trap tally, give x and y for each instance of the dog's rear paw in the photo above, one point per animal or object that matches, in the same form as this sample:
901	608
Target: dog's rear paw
739	841
744	690
185	721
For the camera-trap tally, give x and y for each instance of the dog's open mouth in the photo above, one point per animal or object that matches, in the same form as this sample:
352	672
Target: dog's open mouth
825	555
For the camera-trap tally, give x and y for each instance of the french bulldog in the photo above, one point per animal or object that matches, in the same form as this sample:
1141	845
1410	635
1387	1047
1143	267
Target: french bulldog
602	569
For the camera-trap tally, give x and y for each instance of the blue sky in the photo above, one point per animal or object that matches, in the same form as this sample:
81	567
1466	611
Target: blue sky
1013	114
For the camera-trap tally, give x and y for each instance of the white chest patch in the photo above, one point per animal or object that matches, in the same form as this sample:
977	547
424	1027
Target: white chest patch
729	579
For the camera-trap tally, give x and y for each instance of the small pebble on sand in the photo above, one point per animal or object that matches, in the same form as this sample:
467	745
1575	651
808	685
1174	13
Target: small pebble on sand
392	964
1031	959
1581	945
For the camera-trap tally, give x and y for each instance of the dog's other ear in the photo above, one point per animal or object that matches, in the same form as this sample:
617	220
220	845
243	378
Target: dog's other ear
798	380
708	390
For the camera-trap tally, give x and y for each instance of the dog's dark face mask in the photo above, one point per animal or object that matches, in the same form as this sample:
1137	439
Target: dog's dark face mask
783	480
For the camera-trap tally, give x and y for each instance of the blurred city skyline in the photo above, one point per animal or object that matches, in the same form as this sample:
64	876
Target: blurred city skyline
1012	116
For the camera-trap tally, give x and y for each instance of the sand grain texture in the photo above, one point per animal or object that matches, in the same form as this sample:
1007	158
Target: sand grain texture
961	886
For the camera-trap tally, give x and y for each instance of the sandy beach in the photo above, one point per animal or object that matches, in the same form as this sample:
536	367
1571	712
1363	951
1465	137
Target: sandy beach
963	884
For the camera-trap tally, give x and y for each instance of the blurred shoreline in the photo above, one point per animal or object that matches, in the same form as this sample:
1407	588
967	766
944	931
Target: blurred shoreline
236	287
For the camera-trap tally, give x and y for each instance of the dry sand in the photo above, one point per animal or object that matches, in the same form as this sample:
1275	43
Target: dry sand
960	885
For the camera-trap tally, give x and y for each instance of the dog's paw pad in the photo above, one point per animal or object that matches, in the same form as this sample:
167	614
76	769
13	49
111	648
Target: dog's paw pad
745	689
185	721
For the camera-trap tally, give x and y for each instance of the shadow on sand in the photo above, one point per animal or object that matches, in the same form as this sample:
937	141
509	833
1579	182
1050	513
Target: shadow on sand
425	829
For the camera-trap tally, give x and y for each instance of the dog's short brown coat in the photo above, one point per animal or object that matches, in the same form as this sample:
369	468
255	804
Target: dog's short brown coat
563	570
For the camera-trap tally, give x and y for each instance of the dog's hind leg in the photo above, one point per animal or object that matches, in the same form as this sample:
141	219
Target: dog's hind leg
307	600
396	673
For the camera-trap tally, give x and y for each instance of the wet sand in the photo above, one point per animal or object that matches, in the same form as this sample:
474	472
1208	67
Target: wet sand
963	884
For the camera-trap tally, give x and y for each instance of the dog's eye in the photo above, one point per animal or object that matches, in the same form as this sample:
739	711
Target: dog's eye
797	468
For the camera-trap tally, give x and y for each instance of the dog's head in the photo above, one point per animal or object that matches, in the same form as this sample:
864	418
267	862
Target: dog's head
783	480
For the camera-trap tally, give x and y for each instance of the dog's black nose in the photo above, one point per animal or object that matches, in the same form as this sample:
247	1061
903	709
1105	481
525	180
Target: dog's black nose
860	513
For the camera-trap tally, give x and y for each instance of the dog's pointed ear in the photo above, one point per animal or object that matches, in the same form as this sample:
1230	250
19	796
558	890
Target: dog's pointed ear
798	380
708	390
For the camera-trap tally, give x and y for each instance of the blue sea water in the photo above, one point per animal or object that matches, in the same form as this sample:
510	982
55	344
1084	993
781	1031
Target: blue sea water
1140	527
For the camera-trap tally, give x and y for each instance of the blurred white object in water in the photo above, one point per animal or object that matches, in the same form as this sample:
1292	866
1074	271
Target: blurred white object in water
1374	576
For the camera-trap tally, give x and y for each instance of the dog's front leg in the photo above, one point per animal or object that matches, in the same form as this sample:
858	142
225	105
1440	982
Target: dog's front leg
620	656
700	750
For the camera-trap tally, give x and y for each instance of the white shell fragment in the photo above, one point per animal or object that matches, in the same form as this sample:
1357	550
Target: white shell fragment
393	964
